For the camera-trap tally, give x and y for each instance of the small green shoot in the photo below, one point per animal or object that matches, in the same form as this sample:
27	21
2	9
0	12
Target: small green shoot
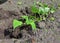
52	10
52	18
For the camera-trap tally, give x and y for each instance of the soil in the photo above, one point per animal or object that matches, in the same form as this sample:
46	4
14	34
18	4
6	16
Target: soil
47	31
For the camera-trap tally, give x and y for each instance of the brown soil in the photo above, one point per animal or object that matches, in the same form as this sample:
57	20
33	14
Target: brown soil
49	32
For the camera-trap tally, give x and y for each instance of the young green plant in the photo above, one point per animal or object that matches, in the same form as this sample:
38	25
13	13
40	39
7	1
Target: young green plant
28	21
43	10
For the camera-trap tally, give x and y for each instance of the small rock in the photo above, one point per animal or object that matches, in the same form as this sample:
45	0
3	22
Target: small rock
58	20
41	24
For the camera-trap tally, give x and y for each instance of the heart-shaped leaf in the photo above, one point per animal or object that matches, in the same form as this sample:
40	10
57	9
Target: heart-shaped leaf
16	23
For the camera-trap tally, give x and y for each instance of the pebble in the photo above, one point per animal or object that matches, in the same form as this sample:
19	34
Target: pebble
41	24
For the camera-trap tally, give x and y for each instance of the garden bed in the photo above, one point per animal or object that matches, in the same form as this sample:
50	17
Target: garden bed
46	29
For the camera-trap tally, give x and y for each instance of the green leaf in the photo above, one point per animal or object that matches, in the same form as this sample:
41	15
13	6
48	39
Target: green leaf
32	23
27	22
33	26
34	9
25	17
47	9
52	18
52	10
41	10
16	23
45	5
32	17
